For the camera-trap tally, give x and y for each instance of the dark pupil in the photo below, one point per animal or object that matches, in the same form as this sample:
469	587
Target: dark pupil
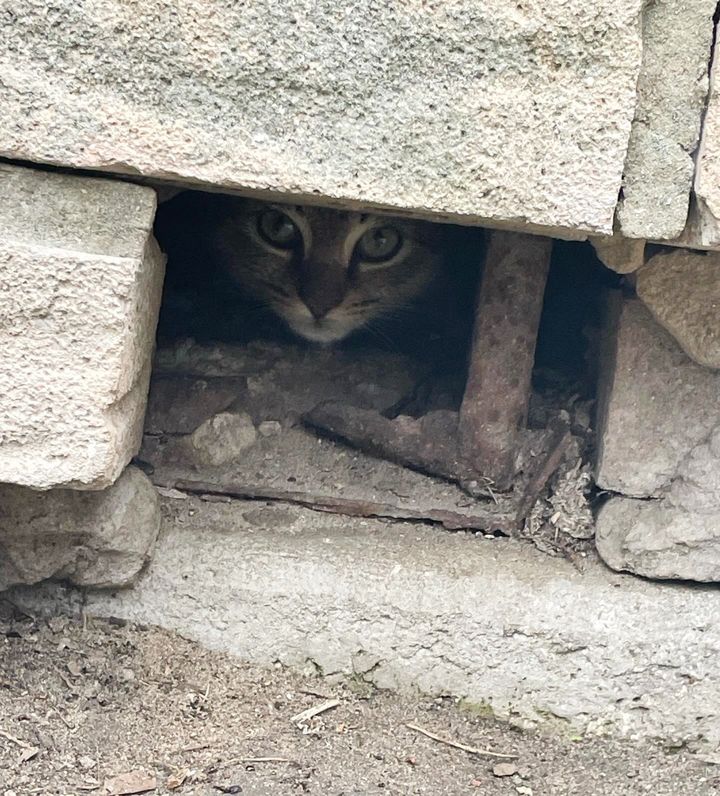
380	243
277	228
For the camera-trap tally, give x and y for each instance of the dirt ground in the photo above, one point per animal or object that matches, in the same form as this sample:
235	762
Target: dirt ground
100	707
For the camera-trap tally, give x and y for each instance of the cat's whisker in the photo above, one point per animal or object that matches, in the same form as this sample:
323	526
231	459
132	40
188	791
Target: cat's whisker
384	338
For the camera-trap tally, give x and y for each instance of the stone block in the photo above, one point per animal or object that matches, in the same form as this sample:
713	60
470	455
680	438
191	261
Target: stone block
672	89
100	539
676	537
682	291
654	406
704	222
472	111
80	285
657	540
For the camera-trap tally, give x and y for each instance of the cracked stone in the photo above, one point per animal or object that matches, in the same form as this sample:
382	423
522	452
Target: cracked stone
671	93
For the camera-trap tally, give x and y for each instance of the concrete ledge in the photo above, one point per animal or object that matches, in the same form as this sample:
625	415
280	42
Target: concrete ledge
403	605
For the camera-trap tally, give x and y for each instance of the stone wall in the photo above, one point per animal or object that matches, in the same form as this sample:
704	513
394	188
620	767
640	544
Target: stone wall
562	117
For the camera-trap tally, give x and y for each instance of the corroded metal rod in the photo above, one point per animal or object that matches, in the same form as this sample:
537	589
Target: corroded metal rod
507	316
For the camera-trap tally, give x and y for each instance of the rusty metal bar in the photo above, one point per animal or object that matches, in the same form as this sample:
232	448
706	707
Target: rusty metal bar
507	316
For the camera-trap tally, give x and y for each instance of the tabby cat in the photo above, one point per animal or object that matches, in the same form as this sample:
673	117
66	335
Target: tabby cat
326	273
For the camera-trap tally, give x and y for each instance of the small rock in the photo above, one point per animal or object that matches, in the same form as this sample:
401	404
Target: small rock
173	494
174	781
504	769
57	624
269	428
132	782
223	437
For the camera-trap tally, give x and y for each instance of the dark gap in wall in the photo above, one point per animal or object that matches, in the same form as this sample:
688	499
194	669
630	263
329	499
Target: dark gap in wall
268	380
202	302
572	316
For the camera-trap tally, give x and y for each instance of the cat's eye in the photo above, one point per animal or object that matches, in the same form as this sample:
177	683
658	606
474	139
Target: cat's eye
278	229
379	244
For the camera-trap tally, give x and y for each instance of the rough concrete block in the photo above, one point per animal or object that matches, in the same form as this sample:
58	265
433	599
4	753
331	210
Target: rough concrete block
100	539
80	285
682	291
658	540
704	223
677	536
655	404
412	607
478	111
672	88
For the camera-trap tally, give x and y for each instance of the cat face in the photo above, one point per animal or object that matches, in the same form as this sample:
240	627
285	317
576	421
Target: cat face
325	272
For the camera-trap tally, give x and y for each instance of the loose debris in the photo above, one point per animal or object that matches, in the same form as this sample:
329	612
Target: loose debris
175	781
312	399
561	522
504	769
473	750
304	720
130	783
28	751
146	724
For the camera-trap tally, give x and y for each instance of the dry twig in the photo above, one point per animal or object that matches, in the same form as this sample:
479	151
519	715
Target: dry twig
16	741
457	745
310	713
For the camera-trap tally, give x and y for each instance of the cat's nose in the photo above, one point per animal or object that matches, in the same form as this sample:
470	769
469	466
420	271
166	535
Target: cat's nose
317	312
320	302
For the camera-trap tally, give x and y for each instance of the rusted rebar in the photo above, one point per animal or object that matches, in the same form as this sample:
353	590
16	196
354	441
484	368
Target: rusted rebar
507	316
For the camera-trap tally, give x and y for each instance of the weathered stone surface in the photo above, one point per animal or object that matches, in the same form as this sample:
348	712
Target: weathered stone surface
479	111
80	285
696	488
410	606
655	403
656	540
682	291
673	85
223	437
675	537
704	222
622	255
98	539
